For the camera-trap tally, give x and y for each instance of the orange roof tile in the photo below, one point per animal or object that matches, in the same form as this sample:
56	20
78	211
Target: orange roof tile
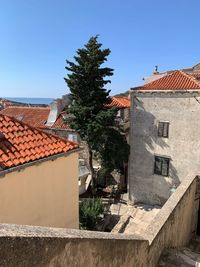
35	116
120	102
195	75
21	143
177	80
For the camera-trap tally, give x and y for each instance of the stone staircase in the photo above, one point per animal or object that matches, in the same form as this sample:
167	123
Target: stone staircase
141	217
184	257
133	219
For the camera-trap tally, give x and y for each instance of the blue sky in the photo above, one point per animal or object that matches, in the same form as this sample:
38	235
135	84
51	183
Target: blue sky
38	35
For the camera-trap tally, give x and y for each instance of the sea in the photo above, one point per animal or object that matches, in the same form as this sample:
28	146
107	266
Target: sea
31	100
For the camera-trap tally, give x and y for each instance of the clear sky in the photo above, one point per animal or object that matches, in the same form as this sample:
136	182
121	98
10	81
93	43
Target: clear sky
36	36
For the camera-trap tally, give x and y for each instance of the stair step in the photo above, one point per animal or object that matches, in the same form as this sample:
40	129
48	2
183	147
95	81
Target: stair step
195	244
181	258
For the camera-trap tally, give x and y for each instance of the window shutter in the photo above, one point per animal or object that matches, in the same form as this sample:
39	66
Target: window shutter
161	166
165	167
158	166
160	129
165	129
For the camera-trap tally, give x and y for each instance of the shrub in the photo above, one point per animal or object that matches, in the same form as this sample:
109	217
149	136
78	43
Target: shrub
90	211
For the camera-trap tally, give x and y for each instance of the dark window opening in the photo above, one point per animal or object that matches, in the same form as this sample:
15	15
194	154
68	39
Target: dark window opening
163	129
161	166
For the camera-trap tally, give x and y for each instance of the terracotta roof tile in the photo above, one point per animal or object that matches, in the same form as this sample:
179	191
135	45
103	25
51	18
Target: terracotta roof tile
34	116
22	143
177	80
119	102
195	75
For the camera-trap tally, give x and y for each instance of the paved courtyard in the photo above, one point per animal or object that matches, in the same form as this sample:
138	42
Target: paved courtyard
133	219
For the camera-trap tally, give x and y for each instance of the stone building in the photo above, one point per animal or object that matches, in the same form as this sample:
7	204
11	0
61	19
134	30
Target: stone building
164	138
39	173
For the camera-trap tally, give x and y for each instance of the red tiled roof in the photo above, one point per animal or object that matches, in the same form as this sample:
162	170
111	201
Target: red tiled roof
120	102
59	124
21	143
34	116
177	80
195	75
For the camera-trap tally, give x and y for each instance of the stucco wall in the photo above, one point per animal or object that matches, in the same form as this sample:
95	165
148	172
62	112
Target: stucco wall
182	110
176	222
44	194
39	246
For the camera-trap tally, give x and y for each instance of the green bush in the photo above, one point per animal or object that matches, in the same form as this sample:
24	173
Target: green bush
90	211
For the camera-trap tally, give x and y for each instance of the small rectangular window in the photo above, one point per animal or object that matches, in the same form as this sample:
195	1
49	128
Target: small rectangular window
161	166
163	129
73	137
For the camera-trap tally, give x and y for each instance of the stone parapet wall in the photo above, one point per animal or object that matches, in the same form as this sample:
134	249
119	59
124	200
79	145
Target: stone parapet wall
176	222
174	225
24	246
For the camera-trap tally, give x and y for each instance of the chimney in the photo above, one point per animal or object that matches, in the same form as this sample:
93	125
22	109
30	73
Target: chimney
67	99
56	107
156	70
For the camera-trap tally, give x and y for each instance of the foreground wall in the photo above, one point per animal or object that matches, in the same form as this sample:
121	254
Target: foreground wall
182	147
28	246
37	246
43	194
176	222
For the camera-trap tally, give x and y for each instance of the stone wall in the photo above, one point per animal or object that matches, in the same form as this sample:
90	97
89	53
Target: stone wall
24	246
176	222
182	147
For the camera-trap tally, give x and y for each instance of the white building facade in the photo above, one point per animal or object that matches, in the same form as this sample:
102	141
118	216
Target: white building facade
164	137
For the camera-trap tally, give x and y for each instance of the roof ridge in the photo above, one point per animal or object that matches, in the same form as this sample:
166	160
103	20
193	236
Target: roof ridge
119	102
24	143
167	75
192	79
39	129
125	97
26	107
36	117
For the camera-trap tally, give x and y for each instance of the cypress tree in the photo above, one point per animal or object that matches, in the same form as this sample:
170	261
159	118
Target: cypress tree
86	80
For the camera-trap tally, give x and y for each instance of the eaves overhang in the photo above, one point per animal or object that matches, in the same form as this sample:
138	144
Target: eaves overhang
18	168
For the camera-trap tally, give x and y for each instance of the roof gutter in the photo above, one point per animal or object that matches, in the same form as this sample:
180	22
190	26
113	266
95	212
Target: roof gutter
139	90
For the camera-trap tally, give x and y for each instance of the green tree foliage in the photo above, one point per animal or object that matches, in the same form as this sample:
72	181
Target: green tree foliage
90	211
123	94
114	151
90	117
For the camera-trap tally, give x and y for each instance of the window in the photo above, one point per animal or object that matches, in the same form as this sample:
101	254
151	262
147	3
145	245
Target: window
73	137
119	113
161	166
163	129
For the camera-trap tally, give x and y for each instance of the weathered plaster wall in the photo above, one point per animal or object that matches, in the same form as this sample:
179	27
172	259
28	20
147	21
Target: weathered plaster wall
44	194
176	222
182	110
28	246
38	246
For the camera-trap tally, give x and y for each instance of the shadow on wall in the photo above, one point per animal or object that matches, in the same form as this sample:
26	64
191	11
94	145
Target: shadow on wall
159	187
